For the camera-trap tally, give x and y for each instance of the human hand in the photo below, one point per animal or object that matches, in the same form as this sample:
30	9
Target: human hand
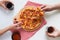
54	34
15	26
47	7
4	4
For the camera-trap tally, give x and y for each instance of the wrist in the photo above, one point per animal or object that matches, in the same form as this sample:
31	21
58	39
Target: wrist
10	27
59	33
56	6
53	7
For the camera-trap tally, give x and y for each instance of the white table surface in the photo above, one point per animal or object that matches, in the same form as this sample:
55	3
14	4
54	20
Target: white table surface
52	18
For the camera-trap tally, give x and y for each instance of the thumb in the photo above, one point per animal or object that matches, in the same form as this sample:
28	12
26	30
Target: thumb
4	6
44	9
18	25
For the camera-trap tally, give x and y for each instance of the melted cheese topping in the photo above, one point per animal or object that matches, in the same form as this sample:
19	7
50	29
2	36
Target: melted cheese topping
30	17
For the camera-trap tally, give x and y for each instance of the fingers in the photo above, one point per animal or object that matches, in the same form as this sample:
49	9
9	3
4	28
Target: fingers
44	9
19	24
15	21
4	6
42	6
3	3
5	0
50	35
16	26
54	35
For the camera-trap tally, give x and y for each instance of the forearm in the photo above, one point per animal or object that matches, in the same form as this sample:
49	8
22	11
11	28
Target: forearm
4	30
14	27
56	6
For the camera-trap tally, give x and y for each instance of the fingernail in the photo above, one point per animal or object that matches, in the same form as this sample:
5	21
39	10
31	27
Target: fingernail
15	19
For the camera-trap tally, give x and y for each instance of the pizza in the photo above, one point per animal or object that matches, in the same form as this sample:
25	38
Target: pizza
31	17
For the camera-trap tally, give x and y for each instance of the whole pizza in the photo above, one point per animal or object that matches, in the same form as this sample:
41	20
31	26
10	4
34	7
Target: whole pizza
31	17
